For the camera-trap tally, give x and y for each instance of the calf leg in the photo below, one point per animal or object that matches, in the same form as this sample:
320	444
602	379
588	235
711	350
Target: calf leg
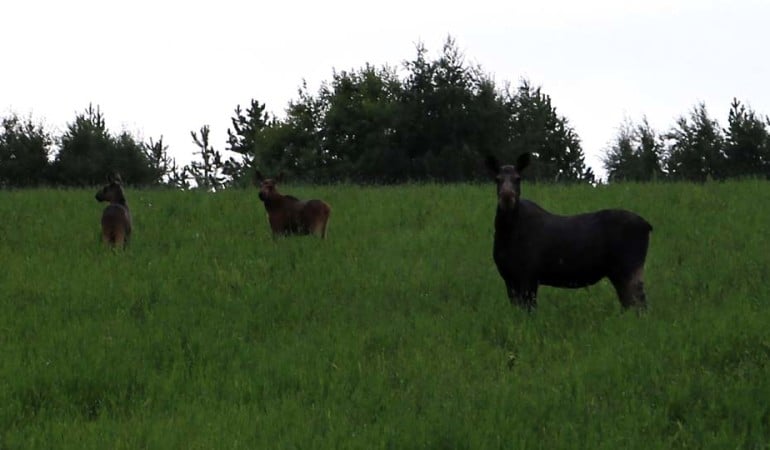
323	228
630	289
319	227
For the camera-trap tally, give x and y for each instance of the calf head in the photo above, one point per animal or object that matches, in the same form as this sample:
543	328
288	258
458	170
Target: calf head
113	192
267	186
508	180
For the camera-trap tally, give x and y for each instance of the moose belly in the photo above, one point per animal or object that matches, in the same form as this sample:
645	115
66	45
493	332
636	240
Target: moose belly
564	276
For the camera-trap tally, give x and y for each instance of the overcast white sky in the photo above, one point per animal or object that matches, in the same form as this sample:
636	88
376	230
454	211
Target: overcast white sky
165	68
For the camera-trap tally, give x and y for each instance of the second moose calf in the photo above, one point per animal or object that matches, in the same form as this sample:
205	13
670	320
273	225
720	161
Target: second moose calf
289	215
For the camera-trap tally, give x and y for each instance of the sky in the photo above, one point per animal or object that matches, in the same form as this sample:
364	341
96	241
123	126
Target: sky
160	68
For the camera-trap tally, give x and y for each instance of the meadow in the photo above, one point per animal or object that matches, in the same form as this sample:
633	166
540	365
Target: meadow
393	333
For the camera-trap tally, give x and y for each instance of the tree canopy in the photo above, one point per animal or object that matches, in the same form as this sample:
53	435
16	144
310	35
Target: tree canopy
430	119
696	148
436	122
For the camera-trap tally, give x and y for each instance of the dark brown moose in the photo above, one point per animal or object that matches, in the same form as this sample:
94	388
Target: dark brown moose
116	218
534	247
290	215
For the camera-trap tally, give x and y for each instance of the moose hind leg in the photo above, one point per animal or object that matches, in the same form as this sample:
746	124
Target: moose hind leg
319	228
630	289
121	238
322	223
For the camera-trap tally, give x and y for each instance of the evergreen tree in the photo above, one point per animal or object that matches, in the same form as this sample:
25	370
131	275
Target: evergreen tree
535	126
164	166
295	145
444	127
208	172
619	158
747	143
695	152
635	155
649	153
81	159
247	139
359	126
438	123
24	150
89	152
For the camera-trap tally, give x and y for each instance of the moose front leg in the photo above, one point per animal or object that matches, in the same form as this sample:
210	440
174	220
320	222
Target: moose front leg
511	290
522	294
529	298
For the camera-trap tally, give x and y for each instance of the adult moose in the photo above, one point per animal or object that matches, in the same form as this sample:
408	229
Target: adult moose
116	218
534	247
290	215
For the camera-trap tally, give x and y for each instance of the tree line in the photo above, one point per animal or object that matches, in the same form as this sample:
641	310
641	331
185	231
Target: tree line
433	119
696	148
88	152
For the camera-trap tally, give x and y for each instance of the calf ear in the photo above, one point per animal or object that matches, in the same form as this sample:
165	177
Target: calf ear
493	165
280	177
117	178
523	161
257	177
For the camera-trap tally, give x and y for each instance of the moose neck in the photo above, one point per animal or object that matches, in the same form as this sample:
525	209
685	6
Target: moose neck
506	219
120	200
274	201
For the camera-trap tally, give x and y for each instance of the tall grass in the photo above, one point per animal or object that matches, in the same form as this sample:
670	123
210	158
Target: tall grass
393	333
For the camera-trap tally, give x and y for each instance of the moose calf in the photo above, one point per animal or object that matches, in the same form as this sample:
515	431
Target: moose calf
289	215
116	218
534	247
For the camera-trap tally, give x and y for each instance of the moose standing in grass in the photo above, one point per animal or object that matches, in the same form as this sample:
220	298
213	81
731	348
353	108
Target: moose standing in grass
116	218
534	247
289	215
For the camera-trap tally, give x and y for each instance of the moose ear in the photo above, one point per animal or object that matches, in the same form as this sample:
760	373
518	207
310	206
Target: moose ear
280	177
493	165
116	178
523	161
258	177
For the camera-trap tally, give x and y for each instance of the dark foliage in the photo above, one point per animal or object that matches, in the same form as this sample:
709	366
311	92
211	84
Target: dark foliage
635	155
695	149
24	150
89	151
747	143
437	123
433	119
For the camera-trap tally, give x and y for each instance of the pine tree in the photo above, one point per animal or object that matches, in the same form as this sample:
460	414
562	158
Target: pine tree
747	142
696	149
24	150
635	154
207	172
535	126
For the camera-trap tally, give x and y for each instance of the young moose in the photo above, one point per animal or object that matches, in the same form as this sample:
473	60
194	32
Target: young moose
533	246
116	218
289	215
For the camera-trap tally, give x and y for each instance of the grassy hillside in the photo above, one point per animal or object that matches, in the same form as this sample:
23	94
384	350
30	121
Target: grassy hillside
394	333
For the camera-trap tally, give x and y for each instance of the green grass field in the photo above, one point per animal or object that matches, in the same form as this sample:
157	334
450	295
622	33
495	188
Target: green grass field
394	333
